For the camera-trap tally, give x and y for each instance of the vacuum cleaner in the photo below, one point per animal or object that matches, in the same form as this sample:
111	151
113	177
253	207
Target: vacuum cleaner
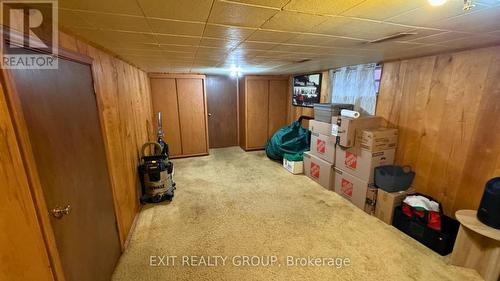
156	171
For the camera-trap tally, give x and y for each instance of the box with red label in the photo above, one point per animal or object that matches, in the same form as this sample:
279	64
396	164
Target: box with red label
346	128
320	127
361	163
318	170
323	147
359	192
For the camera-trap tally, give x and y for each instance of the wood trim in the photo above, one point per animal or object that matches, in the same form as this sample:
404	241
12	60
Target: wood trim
35	185
266	77
178	112
175	75
207	140
132	229
61	52
107	152
246	112
189	155
238	109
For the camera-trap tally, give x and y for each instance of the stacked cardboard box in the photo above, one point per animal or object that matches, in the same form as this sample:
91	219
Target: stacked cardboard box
344	154
319	161
362	146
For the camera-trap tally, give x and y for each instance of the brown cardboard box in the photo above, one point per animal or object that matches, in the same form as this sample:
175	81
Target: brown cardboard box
359	192
361	163
377	139
387	202
320	127
294	167
323	147
318	170
346	127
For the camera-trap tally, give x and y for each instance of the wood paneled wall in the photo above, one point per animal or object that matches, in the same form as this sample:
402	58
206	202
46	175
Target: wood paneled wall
124	102
447	108
125	108
294	112
23	254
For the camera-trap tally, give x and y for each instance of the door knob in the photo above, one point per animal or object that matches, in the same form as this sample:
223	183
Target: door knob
59	212
210	114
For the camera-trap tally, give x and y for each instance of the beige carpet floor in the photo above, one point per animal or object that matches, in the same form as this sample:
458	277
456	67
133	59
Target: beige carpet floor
235	203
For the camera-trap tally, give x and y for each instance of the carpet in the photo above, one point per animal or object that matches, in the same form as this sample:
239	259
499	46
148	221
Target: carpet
239	216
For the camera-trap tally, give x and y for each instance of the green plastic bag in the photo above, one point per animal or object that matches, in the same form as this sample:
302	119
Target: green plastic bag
291	139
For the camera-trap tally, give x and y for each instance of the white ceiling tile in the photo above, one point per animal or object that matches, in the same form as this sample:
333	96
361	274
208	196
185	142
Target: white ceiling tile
321	7
382	9
191	10
427	15
357	28
171	27
227	32
481	21
239	15
127	7
294	21
116	22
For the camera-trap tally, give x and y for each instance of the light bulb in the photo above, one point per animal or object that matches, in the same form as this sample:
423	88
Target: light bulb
437	2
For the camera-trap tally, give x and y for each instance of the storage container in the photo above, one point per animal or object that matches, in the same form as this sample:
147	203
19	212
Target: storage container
324	112
393	178
440	242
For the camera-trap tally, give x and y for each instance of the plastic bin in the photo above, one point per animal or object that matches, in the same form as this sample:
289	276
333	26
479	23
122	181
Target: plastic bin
393	178
324	112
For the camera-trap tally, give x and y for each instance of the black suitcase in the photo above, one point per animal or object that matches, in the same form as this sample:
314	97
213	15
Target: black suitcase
439	241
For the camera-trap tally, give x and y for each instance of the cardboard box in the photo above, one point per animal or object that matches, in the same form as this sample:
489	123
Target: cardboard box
323	147
361	163
387	202
320	127
294	167
318	170
377	139
359	192
345	128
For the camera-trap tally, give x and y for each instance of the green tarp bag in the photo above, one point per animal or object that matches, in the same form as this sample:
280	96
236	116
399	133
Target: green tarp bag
291	139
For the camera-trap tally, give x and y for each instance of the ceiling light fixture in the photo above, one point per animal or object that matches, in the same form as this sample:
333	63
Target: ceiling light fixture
468	5
235	71
437	2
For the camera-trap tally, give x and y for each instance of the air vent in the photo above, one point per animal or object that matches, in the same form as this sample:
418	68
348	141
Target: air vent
392	37
301	61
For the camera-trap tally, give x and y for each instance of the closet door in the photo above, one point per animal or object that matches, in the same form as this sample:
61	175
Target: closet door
257	98
278	90
164	94
192	114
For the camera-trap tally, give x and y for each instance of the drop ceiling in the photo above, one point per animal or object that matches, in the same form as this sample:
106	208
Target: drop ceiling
276	36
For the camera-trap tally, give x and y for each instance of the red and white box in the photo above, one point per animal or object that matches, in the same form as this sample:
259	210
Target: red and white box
318	170
359	192
323	147
361	163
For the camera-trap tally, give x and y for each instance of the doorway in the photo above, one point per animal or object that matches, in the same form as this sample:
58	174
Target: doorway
61	115
222	103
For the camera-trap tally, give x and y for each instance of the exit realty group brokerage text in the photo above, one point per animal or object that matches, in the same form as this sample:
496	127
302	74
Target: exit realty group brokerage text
248	261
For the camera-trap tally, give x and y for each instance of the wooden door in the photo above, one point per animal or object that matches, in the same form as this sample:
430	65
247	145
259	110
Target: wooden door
278	91
192	115
61	115
257	94
222	111
164	95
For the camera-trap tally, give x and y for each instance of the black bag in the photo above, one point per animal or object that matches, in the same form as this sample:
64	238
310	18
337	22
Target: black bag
393	178
439	241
